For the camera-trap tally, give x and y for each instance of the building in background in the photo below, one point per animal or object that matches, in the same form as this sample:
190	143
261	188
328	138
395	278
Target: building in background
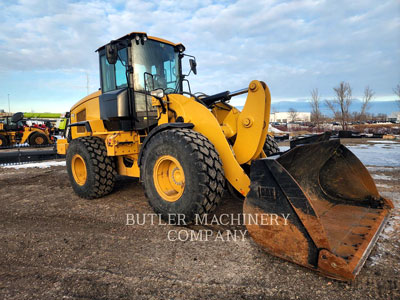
394	117
286	117
4	114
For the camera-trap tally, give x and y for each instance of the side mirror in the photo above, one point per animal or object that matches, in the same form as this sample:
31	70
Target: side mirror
158	93
193	66
111	53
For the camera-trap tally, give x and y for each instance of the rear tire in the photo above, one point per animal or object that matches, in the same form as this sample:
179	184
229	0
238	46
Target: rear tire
199	185
270	147
38	139
3	141
91	172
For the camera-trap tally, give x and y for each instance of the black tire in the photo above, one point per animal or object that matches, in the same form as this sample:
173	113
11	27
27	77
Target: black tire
100	168
3	141
270	146
202	168
38	138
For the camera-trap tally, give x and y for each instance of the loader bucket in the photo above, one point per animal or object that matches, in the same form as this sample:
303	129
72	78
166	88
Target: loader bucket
316	205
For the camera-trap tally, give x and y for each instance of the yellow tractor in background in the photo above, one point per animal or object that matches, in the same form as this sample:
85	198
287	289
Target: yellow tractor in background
14	131
188	148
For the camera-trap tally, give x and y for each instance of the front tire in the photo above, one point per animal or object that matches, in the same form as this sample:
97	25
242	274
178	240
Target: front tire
182	174
91	172
3	141
38	139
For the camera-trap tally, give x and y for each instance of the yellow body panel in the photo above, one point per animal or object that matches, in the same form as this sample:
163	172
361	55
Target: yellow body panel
252	124
87	98
227	117
25	136
122	143
62	146
87	109
133	171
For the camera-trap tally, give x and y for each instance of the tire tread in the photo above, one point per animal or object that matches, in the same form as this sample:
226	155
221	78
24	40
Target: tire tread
270	147
103	166
209	166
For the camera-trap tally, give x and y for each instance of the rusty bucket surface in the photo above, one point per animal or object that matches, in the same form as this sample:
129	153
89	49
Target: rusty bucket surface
327	211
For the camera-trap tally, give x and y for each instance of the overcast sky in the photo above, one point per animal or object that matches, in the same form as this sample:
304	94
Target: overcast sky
47	48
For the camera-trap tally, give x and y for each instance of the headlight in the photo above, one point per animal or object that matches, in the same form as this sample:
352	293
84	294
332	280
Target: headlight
158	93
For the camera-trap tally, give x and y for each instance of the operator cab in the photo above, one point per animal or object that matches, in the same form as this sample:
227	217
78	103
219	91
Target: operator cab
130	68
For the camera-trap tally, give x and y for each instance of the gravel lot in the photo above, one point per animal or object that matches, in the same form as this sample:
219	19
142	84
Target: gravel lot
55	245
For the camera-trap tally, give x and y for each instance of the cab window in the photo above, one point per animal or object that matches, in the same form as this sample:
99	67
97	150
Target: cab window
114	76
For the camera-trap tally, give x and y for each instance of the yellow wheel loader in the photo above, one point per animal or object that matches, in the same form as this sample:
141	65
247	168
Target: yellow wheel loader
188	148
13	131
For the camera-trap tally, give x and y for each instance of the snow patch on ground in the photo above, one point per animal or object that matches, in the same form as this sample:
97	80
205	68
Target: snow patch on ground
382	177
382	142
381	169
284	148
389	229
275	130
394	196
385	186
376	154
41	165
375	258
385	235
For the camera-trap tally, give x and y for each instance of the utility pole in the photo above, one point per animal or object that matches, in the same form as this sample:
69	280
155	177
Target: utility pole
9	107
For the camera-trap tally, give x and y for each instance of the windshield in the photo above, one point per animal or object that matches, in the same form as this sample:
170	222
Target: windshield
155	65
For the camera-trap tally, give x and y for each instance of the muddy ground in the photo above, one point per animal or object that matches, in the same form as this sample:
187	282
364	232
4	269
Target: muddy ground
55	245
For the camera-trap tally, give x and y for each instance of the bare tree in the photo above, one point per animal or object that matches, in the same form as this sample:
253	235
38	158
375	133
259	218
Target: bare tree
368	95
274	109
341	104
332	107
293	114
355	116
315	102
396	90
381	117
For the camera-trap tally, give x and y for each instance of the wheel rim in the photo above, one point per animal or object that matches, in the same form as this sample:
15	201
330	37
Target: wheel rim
1	142
79	169
39	140
169	178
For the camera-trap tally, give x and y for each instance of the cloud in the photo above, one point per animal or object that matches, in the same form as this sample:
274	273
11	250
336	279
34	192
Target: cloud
292	45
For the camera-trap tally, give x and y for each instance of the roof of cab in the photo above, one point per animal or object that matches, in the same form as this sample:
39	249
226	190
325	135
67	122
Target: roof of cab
133	34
